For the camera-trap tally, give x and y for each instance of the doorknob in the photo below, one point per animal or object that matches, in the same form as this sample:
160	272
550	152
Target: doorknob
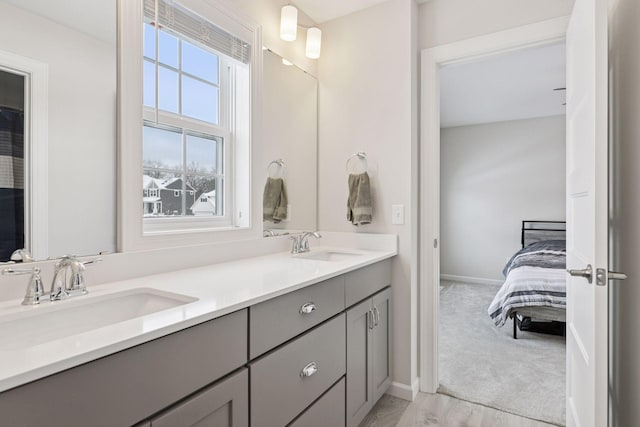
602	275
587	273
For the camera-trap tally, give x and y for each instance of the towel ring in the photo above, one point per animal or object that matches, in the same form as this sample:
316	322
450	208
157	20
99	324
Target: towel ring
279	163
362	156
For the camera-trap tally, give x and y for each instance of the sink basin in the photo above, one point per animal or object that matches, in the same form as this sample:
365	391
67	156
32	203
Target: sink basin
329	255
52	321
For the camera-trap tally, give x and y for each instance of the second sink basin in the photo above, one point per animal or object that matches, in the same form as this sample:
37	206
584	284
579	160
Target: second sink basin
329	255
52	321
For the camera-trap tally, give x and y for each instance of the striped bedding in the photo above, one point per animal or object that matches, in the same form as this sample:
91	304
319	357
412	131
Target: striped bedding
535	276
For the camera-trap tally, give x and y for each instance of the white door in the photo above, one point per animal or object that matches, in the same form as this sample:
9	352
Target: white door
587	214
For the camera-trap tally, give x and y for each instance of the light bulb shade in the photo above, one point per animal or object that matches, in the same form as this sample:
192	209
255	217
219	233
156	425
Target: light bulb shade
314	42
288	23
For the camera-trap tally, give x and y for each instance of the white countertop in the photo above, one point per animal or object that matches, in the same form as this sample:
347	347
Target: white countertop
219	288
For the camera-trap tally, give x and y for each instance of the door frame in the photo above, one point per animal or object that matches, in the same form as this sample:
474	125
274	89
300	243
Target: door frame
36	149
532	35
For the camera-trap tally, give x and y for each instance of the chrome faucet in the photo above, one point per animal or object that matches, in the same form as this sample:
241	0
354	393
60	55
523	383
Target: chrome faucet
301	241
61	287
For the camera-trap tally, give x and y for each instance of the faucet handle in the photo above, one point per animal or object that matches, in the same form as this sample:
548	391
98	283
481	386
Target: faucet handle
21	255
35	289
77	277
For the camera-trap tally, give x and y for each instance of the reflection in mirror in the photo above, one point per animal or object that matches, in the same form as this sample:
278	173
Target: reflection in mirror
62	202
290	130
12	228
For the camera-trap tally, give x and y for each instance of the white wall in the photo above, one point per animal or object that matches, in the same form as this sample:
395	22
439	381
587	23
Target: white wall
446	21
493	176
367	103
625	131
82	149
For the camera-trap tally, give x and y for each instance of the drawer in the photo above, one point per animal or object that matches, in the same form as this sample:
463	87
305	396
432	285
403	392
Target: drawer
363	283
137	382
328	411
224	404
278	390
280	319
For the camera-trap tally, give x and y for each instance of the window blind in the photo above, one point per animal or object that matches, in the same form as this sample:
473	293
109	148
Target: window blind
173	16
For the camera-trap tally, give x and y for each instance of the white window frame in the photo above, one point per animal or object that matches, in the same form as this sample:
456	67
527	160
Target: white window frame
132	233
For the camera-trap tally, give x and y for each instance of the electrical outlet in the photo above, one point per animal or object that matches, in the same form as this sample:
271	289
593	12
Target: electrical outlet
397	214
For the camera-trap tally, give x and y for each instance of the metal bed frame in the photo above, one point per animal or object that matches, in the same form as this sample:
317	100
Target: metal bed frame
531	232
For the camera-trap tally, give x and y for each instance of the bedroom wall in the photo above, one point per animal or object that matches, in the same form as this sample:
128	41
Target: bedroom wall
493	176
624	39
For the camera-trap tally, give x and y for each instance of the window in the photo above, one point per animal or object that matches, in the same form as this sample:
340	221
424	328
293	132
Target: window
193	73
188	104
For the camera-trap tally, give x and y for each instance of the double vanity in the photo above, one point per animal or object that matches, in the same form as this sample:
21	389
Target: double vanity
275	340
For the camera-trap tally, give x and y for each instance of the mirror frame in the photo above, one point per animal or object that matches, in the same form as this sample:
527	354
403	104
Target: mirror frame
131	235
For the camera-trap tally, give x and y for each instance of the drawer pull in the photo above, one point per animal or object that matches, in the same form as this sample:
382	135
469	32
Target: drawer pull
376	316
309	370
370	319
307	308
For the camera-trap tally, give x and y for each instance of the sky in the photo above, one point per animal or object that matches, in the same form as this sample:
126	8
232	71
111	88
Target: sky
165	146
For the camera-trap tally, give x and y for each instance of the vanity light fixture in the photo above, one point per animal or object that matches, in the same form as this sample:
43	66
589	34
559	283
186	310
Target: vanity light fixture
289	29
286	62
314	41
288	23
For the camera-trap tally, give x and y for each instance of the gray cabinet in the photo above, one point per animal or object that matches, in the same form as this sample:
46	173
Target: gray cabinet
127	387
224	404
277	320
368	354
286	381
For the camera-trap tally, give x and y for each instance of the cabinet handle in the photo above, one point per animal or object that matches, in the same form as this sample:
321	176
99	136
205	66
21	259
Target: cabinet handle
370	319
307	308
376	316
309	370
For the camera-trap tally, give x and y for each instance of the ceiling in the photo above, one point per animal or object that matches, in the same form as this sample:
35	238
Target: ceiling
511	86
325	10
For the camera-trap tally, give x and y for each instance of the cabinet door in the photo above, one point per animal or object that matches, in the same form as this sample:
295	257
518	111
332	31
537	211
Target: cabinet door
224	404
381	343
359	366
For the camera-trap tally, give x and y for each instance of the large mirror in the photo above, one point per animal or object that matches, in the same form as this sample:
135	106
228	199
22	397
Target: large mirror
57	127
290	134
58	130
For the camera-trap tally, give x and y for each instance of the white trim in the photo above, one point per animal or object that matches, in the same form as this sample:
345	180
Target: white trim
36	150
404	391
130	119
473	280
542	33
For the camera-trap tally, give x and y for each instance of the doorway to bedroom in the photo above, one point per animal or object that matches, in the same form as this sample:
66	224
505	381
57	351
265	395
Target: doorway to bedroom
502	212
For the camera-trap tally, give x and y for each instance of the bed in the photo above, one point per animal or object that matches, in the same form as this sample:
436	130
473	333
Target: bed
534	291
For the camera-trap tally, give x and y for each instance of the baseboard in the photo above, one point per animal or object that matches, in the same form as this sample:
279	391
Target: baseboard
404	391
467	279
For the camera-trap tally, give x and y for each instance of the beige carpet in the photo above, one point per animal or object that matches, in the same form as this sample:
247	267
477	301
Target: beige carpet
483	364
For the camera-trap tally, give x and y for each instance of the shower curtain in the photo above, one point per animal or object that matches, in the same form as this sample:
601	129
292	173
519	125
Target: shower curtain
11	181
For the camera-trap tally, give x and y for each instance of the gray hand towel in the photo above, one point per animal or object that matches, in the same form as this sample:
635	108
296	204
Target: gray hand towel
359	205
274	201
